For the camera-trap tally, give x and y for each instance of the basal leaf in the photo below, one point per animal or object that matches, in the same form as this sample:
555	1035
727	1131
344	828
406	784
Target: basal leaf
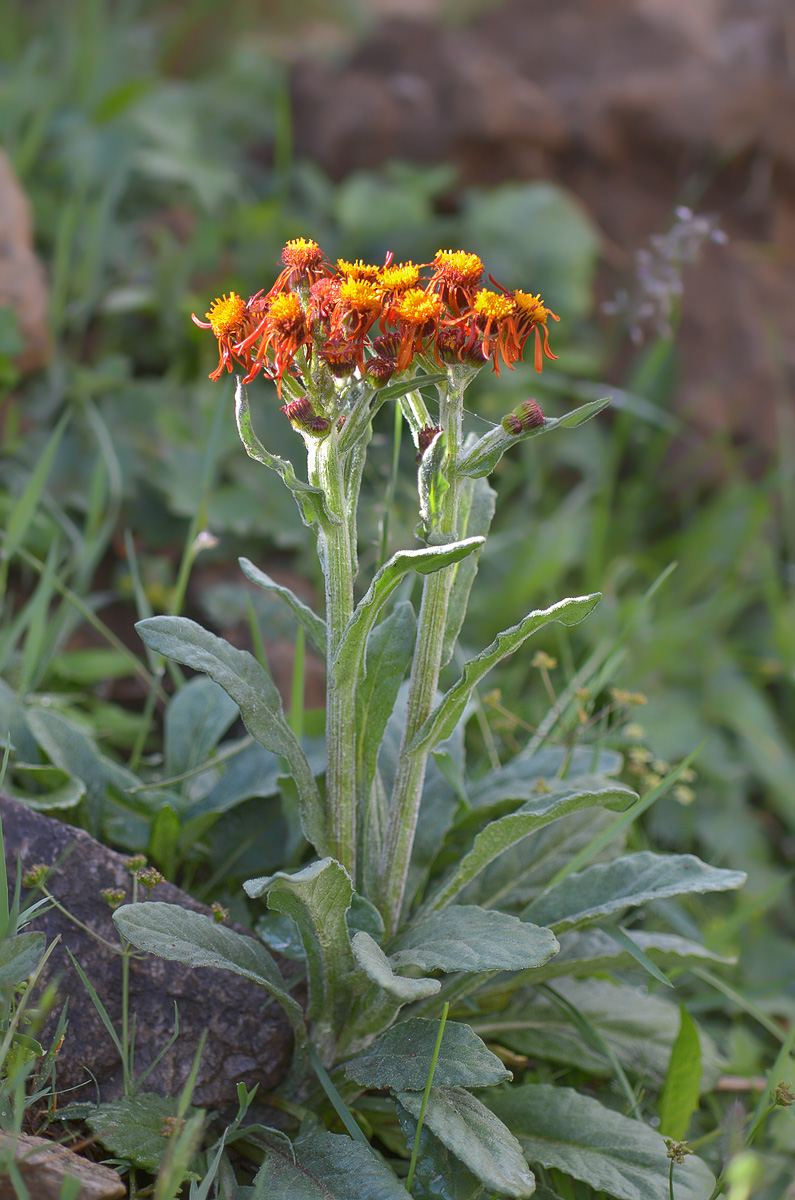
181	935
475	1136
628	881
400	1058
519	778
465	937
248	684
680	1092
507	830
439	1174
19	957
593	951
317	898
444	718
377	967
135	1128
314	626
196	719
638	1027
560	1128
330	1166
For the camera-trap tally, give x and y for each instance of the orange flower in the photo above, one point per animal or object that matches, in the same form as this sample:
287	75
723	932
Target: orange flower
417	315
284	330
357	270
230	319
531	314
394	280
304	262
357	309
457	273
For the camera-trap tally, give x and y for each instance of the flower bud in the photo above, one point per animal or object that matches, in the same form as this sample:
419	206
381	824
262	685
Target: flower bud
424	439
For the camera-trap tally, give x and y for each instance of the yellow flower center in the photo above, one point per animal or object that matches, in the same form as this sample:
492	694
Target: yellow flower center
359	295
531	307
285	309
227	315
493	305
458	268
398	279
301	253
418	308
357	270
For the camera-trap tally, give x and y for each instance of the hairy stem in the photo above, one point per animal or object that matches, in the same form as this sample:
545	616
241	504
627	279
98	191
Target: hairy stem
426	664
335	540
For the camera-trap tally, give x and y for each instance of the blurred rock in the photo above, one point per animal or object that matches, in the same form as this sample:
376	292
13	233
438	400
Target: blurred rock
22	284
245	1040
44	1166
637	106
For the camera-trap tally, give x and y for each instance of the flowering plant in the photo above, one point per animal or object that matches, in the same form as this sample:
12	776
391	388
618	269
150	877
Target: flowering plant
422	886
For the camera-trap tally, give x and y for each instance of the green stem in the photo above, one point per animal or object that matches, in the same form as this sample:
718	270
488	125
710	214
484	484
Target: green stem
425	668
335	538
425	1095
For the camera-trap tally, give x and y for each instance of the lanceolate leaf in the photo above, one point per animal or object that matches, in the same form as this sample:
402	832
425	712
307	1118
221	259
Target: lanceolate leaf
425	561
593	951
444	718
328	1167
248	684
314	626
401	1057
317	898
519	778
176	933
196	719
482	1142
387	657
439	1175
638	1028
311	500
507	830
467	938
377	967
680	1093
487	452
631	880
558	1127
476	505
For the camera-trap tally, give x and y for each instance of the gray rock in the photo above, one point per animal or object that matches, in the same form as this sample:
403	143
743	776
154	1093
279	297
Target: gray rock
246	1040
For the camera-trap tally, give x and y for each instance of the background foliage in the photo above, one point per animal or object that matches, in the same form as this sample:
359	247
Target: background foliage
160	174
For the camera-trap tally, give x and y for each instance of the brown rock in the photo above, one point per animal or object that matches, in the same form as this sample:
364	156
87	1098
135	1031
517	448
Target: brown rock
246	1040
22	284
44	1166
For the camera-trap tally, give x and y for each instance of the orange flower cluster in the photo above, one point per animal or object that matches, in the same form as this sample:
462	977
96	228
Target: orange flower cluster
315	308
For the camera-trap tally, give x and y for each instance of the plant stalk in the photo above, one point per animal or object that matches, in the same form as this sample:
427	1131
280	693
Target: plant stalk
425	668
335	538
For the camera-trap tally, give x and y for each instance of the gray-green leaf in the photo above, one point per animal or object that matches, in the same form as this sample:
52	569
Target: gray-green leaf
560	1128
196	719
424	561
314	626
328	1167
134	1127
444	718
477	501
248	684
507	830
181	935
473	1133
317	898
465	937
400	1058
378	969
488	450
387	657
592	951
631	880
